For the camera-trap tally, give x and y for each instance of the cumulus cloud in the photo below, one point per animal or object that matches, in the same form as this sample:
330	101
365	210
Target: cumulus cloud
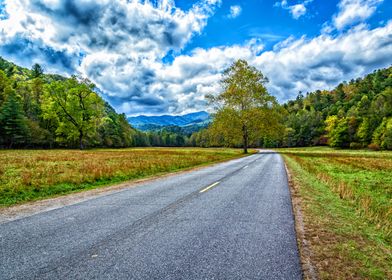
118	44
235	11
324	61
296	10
194	75
121	45
354	11
293	65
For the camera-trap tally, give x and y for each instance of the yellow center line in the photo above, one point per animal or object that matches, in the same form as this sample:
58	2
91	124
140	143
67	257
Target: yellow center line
209	187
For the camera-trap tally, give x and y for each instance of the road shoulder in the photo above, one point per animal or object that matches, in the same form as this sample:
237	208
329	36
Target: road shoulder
309	270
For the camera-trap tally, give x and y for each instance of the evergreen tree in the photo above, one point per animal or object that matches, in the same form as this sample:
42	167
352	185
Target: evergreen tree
13	123
36	71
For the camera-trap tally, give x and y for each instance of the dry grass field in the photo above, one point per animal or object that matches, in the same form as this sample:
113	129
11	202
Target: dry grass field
346	200
27	175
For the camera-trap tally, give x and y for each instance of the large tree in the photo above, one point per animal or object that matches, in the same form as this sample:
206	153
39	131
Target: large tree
77	109
245	111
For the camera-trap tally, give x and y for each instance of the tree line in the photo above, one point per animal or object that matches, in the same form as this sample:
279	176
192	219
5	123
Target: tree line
357	114
39	110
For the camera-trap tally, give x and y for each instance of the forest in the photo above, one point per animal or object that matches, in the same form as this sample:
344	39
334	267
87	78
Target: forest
355	114
39	110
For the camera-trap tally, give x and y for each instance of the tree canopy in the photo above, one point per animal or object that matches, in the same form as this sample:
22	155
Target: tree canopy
44	110
357	114
245	111
75	107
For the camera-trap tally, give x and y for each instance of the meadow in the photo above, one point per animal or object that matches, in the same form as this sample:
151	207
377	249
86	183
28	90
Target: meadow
27	175
346	201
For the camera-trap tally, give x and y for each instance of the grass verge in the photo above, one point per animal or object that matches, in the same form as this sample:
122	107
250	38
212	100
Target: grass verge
27	175
345	198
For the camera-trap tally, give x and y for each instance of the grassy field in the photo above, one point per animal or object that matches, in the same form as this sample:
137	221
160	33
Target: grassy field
27	175
346	201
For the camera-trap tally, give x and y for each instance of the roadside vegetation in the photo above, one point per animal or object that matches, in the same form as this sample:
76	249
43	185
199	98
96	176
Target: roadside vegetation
27	175
346	201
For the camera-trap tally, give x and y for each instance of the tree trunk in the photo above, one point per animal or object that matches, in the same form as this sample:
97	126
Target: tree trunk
81	140
245	138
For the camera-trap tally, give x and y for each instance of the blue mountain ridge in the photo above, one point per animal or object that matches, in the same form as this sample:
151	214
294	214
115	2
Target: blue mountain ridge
198	118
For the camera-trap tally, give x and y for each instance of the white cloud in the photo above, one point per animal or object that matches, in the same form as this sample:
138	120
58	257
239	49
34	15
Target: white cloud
324	61
235	11
95	25
296	10
293	65
354	11
120	46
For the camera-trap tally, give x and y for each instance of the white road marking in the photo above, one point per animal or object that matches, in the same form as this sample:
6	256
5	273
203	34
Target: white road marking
209	187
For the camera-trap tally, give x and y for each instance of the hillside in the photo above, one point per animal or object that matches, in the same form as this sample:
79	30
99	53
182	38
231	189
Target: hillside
149	123
44	110
356	114
39	110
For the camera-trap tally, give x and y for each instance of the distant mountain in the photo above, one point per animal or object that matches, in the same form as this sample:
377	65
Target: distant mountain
147	123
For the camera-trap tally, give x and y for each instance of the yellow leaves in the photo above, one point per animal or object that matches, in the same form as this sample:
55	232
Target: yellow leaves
331	122
246	112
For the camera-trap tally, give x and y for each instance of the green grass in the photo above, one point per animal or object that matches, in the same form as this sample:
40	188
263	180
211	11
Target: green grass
27	175
346	198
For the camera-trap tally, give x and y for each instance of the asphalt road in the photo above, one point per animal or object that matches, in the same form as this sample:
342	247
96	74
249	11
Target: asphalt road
229	221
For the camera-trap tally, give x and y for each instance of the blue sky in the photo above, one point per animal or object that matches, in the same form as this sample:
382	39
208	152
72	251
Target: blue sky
164	56
261	19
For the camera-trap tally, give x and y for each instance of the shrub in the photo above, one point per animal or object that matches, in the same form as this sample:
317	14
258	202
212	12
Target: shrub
355	146
374	147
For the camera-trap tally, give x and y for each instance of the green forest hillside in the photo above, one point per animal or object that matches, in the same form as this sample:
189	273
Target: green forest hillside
357	114
41	110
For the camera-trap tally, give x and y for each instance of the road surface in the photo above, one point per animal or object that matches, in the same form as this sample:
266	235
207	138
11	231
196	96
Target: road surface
229	221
